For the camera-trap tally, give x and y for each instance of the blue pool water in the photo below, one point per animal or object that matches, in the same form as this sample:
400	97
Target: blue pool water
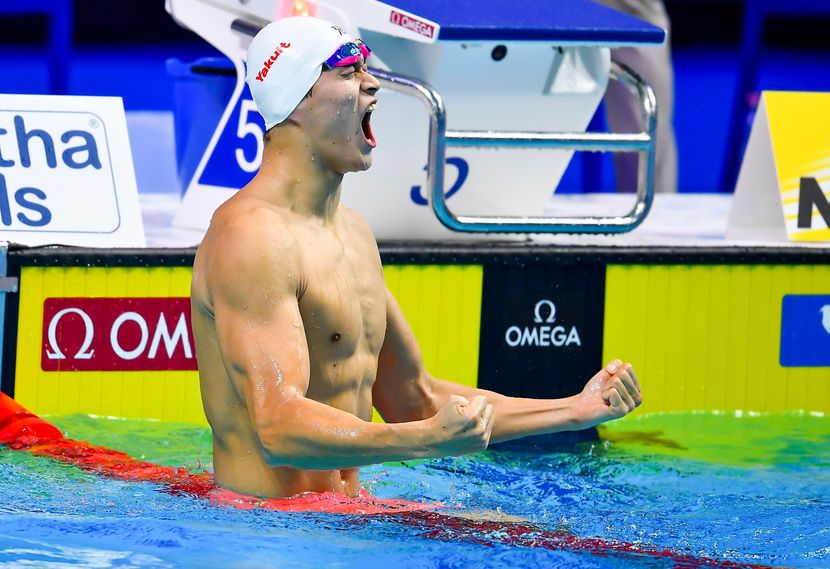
748	490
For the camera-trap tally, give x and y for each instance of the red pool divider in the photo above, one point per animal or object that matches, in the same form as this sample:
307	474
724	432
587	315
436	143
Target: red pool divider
22	430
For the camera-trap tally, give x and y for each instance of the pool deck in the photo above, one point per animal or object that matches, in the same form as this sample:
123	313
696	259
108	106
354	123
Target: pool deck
675	221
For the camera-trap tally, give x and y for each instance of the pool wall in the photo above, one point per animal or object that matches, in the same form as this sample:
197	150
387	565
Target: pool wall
106	332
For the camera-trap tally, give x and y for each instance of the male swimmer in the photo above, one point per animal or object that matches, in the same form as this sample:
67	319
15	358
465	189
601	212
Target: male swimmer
297	335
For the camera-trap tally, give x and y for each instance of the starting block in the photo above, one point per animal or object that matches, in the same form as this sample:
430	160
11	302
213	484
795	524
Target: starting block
481	107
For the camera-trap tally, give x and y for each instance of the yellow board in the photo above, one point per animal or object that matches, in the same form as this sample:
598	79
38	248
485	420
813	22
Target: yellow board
163	395
799	125
707	337
443	306
442	303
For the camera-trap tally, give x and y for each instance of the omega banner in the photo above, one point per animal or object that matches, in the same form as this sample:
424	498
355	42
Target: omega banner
541	329
110	340
117	334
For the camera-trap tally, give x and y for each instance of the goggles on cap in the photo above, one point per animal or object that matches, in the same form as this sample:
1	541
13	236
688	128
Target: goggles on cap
348	54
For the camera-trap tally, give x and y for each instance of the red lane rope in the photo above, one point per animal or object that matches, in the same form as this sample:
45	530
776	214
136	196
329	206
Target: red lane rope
444	527
22	430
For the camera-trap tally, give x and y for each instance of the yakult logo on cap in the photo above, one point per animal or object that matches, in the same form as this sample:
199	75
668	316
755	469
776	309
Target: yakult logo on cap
410	23
266	65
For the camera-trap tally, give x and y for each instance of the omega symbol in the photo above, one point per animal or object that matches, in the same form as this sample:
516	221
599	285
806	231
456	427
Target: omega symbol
89	331
537	311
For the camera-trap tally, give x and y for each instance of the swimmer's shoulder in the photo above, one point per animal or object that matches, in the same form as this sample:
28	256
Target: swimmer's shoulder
250	226
249	243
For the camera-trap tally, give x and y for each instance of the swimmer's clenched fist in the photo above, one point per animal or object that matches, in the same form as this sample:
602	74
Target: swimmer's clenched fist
612	393
463	426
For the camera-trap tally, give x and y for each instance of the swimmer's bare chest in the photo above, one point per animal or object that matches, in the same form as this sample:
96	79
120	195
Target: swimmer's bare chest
343	308
342	304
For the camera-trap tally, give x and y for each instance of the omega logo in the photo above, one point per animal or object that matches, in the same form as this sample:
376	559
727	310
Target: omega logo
537	317
129	334
161	334
545	336
83	353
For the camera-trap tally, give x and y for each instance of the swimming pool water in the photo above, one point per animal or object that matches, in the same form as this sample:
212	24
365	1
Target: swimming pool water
750	489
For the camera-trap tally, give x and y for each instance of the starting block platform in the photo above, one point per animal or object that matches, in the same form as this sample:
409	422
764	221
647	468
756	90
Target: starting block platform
581	22
508	93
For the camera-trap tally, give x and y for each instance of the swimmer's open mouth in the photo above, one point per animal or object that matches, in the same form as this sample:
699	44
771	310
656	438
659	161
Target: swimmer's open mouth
367	127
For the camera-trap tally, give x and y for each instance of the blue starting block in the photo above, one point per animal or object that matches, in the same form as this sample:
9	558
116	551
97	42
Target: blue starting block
581	22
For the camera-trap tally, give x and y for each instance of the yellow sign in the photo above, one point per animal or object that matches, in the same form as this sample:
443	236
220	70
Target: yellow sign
708	337
169	395
783	191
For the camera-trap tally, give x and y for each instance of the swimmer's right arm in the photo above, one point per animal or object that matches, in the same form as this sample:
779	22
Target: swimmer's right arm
254	290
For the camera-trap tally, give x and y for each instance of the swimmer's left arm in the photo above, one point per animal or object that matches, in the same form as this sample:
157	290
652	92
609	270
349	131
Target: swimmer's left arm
405	391
612	393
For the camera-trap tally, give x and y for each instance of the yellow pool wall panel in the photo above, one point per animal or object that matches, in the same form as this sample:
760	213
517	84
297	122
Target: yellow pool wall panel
162	395
707	337
441	303
702	337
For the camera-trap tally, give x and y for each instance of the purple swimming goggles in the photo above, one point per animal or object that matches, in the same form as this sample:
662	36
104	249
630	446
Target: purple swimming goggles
348	54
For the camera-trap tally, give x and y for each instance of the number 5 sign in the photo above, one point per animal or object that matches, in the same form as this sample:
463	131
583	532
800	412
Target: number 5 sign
229	162
237	154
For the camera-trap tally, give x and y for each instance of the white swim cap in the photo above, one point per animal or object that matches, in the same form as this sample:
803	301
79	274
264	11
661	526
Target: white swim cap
285	60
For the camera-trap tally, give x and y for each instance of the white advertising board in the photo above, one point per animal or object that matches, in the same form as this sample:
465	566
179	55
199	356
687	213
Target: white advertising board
66	172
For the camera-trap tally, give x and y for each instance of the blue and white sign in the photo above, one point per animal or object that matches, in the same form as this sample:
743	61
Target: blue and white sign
237	155
66	172
805	330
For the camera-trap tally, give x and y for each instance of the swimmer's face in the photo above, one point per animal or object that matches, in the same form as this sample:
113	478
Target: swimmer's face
336	117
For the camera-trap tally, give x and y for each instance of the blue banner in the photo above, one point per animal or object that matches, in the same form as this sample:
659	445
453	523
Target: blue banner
805	330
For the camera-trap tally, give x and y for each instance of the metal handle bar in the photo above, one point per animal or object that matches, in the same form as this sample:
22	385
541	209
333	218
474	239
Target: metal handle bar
439	138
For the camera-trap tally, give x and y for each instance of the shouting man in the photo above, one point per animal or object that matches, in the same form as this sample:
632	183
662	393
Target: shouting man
296	333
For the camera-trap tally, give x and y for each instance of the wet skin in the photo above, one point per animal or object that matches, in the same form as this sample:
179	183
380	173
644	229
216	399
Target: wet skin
297	336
